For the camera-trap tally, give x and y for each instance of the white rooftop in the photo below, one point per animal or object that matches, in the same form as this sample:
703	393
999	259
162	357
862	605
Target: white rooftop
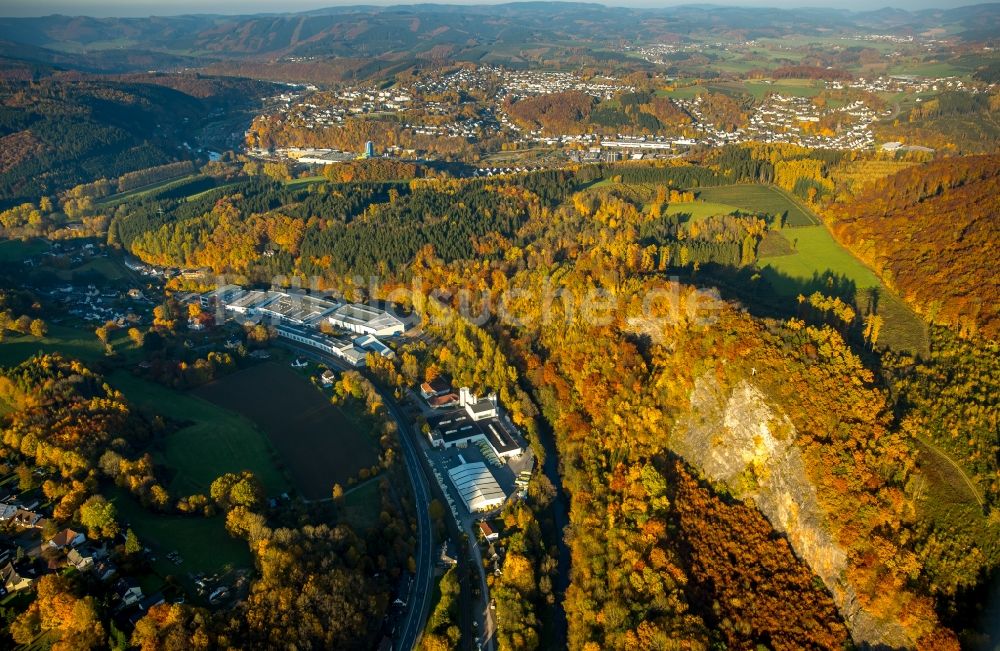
477	486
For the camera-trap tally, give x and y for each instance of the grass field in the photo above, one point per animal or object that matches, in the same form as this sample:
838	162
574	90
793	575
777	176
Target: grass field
686	92
321	444
202	193
700	209
73	342
760	198
203	543
362	505
903	329
294	183
212	442
816	252
787	87
309	180
760	89
798	258
16	250
860	174
146	189
951	503
109	269
933	69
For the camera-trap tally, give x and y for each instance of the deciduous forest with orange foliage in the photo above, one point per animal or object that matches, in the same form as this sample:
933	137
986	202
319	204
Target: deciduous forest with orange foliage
733	478
930	231
516	327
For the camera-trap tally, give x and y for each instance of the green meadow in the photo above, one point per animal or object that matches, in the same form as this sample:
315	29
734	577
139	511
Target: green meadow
210	441
760	198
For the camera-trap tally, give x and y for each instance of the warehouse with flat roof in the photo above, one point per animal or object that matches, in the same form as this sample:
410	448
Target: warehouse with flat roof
248	302
220	296
341	347
477	487
454	428
296	309
475	419
366	320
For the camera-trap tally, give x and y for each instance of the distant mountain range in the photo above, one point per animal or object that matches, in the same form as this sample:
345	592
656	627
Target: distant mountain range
439	30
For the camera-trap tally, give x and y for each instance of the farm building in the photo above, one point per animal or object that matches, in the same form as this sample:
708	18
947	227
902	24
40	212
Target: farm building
366	320
477	486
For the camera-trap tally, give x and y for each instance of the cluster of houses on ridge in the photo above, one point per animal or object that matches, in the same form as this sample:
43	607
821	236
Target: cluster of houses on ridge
426	109
348	331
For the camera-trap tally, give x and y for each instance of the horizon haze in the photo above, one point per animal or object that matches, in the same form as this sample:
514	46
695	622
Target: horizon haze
147	8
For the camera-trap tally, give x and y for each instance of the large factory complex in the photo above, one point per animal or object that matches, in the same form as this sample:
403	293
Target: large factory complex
467	422
460	423
348	331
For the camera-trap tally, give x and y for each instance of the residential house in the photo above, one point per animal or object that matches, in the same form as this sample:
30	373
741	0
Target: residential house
83	557
436	387
128	591
28	519
13	580
7	511
443	401
105	570
489	535
66	538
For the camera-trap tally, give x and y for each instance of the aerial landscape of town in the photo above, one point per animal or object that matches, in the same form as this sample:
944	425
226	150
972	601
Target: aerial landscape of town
524	326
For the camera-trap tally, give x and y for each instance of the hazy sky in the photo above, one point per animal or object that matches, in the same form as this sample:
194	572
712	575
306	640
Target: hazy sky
173	7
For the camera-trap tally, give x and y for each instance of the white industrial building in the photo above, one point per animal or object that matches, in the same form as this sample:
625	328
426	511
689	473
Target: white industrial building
299	315
296	309
477	487
337	346
247	302
220	296
370	342
366	320
475	420
638	144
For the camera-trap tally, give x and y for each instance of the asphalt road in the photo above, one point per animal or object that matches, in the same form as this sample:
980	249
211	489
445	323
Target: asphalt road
484	615
418	604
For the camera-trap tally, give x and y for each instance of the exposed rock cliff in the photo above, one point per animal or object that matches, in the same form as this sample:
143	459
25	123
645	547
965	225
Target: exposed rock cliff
737	440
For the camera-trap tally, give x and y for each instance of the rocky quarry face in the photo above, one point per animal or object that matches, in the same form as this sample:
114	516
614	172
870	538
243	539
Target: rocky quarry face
739	441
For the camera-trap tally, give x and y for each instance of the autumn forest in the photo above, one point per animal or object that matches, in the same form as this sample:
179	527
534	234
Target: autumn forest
510	328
